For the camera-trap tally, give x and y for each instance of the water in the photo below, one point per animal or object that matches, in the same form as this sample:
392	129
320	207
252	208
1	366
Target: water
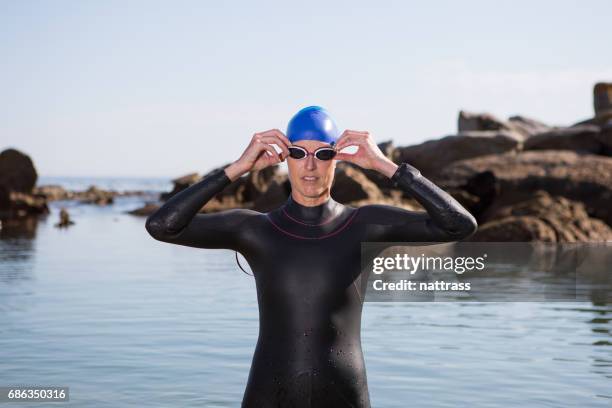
109	183
127	321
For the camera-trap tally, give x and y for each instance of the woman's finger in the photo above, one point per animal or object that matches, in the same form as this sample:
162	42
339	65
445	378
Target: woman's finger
277	141
344	156
343	142
261	146
351	141
357	133
279	134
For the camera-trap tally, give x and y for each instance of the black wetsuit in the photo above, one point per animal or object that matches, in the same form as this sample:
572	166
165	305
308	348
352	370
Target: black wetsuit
306	263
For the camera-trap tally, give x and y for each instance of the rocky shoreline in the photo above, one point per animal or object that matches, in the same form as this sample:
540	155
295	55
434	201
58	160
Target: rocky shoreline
522	179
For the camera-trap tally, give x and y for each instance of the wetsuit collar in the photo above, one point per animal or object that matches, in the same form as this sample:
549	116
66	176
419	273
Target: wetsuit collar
311	214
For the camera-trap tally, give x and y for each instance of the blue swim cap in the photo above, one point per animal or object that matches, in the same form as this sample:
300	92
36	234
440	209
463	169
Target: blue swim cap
312	123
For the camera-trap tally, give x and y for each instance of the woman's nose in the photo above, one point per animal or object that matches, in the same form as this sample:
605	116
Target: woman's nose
310	162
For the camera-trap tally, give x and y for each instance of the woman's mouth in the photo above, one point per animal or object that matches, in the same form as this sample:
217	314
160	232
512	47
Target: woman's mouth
310	179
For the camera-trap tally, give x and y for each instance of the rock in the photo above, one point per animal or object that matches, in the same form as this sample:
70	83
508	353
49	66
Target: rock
180	184
257	182
53	192
483	186
387	148
602	102
352	185
5	201
24	205
17	179
583	138
147	209
17	172
246	189
94	195
432	156
597	120
384	183
5	198
65	220
249	191
19	228
274	196
518	125
602	98
584	178
558	220
528	126
469	121
514	229
605	138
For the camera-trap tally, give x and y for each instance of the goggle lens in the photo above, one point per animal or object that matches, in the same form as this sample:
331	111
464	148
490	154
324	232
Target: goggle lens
324	153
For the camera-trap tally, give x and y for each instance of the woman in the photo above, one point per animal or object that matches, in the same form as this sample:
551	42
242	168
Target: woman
305	256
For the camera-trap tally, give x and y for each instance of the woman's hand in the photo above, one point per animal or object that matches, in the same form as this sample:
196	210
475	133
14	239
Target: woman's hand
369	156
260	153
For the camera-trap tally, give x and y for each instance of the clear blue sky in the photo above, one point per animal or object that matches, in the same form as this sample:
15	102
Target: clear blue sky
145	88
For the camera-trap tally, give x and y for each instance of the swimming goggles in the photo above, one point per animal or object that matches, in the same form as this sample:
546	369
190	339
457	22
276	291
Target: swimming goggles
322	153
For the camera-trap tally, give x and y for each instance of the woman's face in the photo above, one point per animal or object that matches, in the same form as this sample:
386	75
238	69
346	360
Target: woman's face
310	176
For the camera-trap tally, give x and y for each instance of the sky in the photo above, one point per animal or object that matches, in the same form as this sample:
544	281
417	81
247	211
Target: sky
160	89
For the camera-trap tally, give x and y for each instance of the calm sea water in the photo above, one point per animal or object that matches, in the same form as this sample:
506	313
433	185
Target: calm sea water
126	321
109	183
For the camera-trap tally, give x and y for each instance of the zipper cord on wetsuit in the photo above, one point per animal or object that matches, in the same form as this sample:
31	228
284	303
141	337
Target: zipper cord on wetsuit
241	265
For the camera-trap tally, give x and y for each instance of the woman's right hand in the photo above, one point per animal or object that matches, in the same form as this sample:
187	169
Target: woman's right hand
260	153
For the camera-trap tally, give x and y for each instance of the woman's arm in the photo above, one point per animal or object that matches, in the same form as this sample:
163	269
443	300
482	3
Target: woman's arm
178	221
445	219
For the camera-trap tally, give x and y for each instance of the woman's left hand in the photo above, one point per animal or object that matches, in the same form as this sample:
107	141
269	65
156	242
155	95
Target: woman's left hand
369	156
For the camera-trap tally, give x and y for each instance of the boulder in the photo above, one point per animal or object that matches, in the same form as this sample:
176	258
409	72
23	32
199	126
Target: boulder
94	195
605	138
469	121
602	102
521	126
17	179
64	221
24	205
543	217
432	156
351	184
180	184
602	98
53	192
5	201
582	138
275	195
384	183
478	193
387	148
514	229
528	126
147	209
584	178
257	182
17	172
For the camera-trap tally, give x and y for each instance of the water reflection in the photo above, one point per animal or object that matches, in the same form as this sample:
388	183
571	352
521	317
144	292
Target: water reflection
510	271
106	310
17	248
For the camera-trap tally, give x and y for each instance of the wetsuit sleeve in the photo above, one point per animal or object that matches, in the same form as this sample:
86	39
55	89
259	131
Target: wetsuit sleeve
445	219
178	221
